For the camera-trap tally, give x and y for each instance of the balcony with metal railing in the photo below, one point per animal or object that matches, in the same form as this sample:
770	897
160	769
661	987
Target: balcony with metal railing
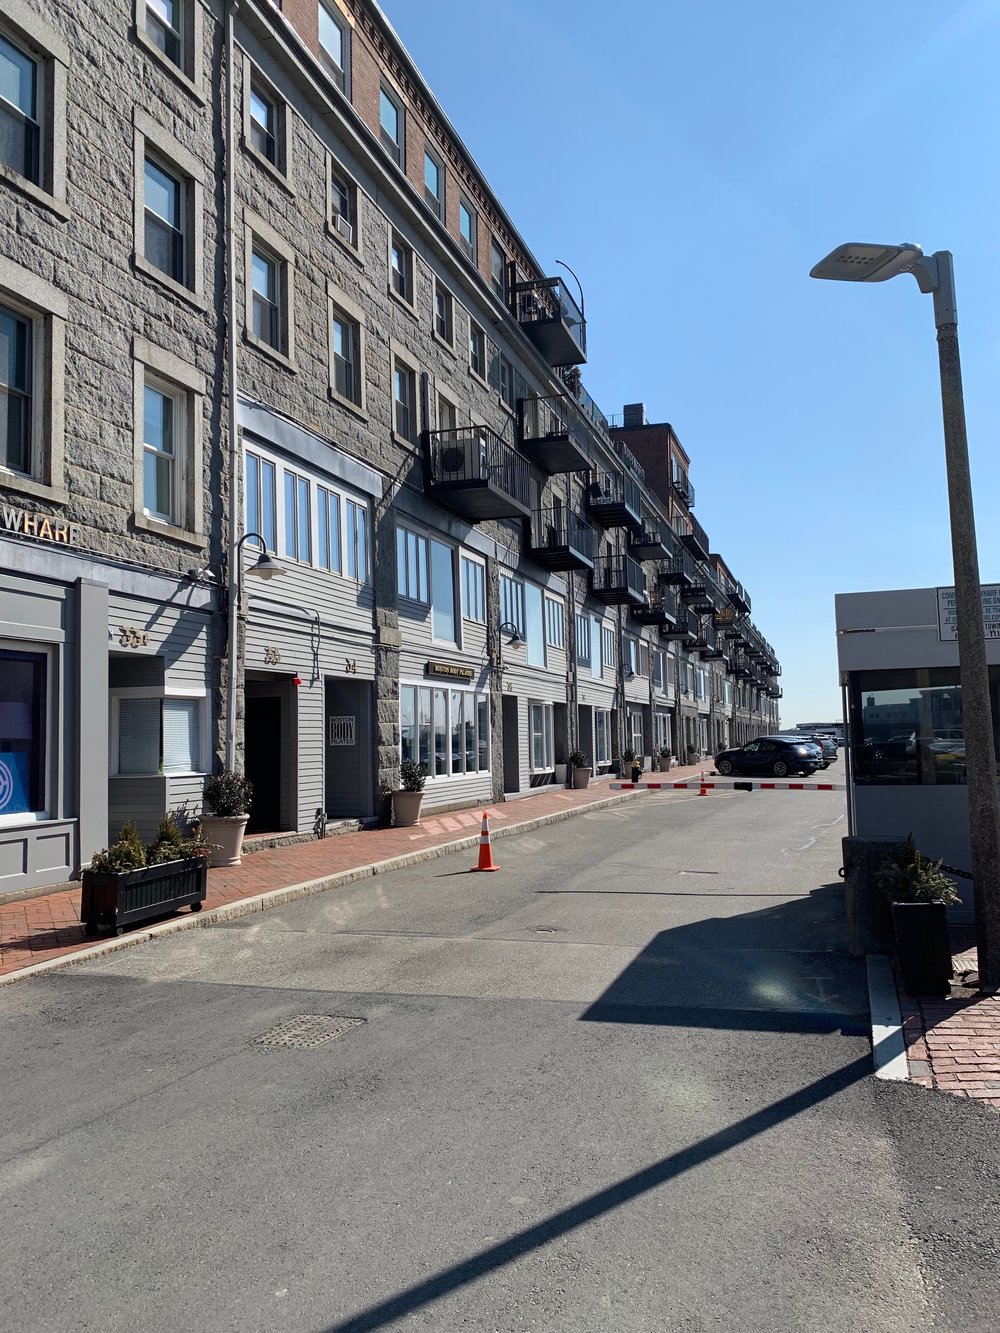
652	540
613	499
551	318
618	580
696	540
709	642
550	435
477	474
561	539
685	629
740	598
679	570
680	483
656	611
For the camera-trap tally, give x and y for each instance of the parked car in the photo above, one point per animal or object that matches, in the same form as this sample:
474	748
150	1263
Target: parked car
776	755
829	748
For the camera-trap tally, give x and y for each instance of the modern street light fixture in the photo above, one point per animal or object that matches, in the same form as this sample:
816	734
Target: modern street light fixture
516	640
935	276
265	567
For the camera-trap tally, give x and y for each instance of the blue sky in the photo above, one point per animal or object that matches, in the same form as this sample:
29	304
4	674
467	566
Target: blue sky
691	162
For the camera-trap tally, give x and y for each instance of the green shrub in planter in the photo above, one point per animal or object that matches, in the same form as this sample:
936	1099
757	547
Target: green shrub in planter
228	794
577	759
920	894
128	882
412	776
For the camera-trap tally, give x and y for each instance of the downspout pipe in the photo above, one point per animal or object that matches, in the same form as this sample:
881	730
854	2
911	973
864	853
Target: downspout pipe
232	639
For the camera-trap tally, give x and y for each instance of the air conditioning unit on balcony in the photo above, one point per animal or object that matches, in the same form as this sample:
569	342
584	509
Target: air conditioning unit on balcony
344	227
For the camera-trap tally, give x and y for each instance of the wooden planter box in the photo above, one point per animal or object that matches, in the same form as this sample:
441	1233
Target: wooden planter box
923	950
119	900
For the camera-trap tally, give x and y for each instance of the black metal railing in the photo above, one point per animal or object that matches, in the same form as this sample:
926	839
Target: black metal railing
629	459
548	300
620	571
476	454
558	526
681	483
615	488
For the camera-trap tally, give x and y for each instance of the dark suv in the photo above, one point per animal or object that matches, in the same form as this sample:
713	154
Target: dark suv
777	755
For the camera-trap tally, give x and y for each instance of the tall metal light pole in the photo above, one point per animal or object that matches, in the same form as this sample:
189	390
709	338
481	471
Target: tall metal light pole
935	276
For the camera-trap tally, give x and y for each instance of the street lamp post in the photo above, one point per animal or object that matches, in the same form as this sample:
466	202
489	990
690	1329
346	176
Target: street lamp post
516	640
264	567
935	276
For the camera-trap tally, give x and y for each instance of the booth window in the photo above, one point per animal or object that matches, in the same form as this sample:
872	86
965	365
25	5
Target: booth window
906	726
22	732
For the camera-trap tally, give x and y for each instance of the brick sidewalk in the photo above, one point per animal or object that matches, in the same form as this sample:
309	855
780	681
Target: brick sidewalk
953	1045
34	930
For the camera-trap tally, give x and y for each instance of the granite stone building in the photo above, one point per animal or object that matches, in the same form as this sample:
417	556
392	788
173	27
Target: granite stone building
256	296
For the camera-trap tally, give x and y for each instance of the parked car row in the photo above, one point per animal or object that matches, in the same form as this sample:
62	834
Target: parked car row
777	756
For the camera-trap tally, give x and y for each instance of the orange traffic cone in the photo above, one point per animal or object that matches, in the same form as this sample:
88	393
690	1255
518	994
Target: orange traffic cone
485	847
703	790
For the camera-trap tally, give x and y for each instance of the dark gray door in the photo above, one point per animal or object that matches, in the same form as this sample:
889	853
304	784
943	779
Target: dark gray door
348	747
511	752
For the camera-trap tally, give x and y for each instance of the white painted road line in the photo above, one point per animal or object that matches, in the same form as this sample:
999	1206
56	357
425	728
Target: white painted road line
888	1047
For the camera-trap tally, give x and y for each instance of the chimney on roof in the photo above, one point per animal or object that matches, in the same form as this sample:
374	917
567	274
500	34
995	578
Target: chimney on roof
634	414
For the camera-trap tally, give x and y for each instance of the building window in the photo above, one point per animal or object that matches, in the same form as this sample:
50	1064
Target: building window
412	578
298	518
512	601
498	271
261	502
554	624
20	111
334	40
156	735
447	414
473	590
608	647
163	432
23	739
265	113
165	211
434	183
506	380
357	541
443	621
391	126
477	350
602	736
446	730
404	400
467	229
583	640
165	28
633	731
541	733
658	670
328	553
443	314
343	206
16	396
266	286
401	268
346	344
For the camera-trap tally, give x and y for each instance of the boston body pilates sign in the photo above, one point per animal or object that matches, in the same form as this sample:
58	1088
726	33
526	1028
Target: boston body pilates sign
46	527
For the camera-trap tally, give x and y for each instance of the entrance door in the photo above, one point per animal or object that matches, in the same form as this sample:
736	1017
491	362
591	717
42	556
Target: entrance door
262	761
511	747
348	749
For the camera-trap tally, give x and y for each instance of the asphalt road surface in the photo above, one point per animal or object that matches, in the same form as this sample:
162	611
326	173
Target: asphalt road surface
623	1084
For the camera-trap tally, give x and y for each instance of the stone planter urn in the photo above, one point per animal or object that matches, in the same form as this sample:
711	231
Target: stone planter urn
225	834
581	777
406	808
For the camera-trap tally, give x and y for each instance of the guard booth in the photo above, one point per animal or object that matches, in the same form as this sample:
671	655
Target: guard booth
898	658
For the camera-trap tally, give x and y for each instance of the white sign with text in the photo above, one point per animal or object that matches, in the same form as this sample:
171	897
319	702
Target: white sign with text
948	616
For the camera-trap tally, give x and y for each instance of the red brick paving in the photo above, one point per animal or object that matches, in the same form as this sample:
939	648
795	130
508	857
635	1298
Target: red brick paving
34	930
955	1042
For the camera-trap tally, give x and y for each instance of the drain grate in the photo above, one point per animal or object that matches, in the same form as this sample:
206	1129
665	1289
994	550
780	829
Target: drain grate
306	1031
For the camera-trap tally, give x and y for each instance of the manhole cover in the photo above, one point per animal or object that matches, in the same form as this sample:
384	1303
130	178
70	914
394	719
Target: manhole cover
306	1031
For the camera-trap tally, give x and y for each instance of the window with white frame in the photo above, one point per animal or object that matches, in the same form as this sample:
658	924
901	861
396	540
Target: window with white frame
412	570
298	518
467	228
512	601
343	205
473	590
661	730
21	101
506	380
24	741
328	548
633	733
401	268
446	730
404	393
541	736
152	734
608	655
583	639
555	628
433	182
346	340
168	24
498	270
334	41
17	390
699	684
658	676
477	350
444	320
443	620
266	281
534	625
260	486
165	211
357	541
391	124
447	413
265	114
163	435
602	735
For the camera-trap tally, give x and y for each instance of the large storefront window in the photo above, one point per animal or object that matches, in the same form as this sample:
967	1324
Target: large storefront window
906	725
157	735
446	730
22	732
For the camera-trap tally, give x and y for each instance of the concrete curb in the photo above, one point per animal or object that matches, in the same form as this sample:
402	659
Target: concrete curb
262	902
888	1046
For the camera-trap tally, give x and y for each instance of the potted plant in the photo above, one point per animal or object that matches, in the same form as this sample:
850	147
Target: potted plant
228	796
666	758
692	755
580	769
129	882
409	796
919	893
